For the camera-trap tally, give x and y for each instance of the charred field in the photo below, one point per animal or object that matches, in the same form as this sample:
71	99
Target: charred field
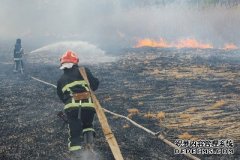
186	94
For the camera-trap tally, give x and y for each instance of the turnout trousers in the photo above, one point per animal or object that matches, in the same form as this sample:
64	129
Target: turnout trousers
77	125
18	64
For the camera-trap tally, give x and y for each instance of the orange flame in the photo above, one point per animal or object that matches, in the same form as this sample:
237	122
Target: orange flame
152	43
230	46
192	43
184	43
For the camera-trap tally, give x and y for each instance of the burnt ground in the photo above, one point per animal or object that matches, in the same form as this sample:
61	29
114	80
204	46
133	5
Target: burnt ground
196	90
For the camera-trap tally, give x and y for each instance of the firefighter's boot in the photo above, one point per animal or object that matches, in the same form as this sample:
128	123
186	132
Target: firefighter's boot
15	67
21	66
88	139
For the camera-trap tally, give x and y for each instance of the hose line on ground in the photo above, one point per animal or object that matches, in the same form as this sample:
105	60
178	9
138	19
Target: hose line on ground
157	134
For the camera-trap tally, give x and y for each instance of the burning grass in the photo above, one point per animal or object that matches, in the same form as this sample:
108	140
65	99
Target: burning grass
181	43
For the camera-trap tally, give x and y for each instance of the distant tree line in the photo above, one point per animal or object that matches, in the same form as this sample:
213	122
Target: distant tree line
197	3
222	3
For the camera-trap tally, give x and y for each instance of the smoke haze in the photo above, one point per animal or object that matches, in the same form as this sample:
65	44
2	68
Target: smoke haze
87	53
115	24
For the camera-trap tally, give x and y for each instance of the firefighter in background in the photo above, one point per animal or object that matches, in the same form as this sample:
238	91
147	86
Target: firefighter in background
18	52
79	107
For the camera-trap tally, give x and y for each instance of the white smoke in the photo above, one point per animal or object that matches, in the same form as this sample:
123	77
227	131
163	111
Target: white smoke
117	24
87	53
86	155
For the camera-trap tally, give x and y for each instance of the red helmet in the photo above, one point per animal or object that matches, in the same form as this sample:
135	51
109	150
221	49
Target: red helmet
69	57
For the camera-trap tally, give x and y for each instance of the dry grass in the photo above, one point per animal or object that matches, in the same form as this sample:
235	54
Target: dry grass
191	110
126	126
137	96
149	115
49	130
151	57
207	119
115	117
155	72
161	115
185	135
29	139
185	116
130	115
145	62
108	98
133	111
217	105
191	72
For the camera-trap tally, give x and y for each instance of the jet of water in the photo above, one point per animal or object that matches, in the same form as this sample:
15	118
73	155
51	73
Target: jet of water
88	53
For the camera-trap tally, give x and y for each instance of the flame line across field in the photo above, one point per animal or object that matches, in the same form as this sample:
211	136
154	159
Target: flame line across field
182	43
159	136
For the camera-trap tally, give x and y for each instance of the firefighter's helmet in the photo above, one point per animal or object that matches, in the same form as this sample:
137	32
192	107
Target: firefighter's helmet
18	41
68	60
69	57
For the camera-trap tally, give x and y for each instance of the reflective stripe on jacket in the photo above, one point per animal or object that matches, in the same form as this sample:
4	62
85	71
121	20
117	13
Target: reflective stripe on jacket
72	82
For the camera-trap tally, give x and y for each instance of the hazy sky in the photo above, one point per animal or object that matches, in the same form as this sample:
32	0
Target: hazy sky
114	23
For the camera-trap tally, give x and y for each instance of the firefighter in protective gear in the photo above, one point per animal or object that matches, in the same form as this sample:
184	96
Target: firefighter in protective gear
73	90
18	52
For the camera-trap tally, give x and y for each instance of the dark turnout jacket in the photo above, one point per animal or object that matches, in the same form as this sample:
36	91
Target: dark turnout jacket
72	82
18	51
